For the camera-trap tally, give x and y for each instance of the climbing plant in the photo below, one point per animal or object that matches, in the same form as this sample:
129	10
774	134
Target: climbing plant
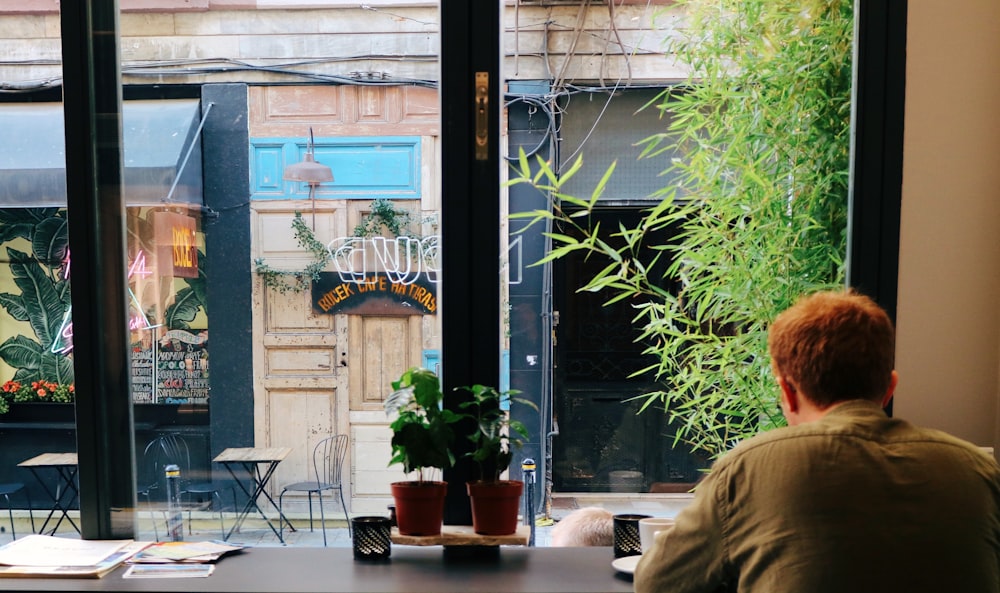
385	215
295	281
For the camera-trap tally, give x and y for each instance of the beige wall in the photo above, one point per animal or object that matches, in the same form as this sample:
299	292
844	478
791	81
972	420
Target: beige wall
948	353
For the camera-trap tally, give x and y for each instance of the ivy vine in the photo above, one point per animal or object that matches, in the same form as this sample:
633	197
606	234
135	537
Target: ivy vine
295	281
384	215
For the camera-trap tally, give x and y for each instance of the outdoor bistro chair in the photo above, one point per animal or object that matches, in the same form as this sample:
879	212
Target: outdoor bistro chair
171	449
328	462
12	488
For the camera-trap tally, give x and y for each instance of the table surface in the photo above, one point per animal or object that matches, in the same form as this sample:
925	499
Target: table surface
252	454
50	460
410	569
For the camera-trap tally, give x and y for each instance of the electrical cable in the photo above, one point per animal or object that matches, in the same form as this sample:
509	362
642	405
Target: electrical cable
227	65
543	103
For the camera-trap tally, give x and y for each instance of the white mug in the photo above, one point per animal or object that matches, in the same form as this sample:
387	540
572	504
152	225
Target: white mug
649	527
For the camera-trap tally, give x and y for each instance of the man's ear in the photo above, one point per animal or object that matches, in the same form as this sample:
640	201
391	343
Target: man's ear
789	395
892	389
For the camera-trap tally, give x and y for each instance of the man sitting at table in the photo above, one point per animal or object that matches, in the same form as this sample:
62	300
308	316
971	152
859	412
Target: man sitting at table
844	499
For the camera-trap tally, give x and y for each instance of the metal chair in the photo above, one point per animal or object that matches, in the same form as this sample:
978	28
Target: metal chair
170	449
328	462
12	488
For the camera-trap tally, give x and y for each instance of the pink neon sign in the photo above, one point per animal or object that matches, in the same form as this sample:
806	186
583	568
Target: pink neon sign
63	344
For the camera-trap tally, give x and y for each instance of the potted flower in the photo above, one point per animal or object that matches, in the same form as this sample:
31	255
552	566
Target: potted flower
495	502
38	395
421	440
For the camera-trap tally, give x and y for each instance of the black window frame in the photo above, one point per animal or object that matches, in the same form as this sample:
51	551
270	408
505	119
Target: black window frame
470	44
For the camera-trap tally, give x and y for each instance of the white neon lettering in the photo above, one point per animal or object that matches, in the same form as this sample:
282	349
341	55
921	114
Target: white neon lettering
402	259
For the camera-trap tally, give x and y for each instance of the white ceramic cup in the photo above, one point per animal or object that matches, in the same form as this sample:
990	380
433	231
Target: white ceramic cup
649	527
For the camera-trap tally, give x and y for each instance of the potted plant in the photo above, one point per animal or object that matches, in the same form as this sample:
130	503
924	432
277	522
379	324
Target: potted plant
38	401
495	502
421	440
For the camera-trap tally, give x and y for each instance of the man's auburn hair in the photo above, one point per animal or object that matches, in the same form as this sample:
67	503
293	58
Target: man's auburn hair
834	346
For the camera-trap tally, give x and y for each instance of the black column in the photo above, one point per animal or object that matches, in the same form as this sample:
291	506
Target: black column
470	214
227	246
96	206
876	185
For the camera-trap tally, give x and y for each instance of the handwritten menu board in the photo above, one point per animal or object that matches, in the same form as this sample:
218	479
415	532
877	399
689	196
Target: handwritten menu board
143	366
182	368
171	368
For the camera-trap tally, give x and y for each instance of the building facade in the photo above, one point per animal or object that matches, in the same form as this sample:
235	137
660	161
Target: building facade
355	86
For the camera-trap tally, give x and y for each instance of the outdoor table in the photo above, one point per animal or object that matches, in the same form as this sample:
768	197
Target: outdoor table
259	464
65	466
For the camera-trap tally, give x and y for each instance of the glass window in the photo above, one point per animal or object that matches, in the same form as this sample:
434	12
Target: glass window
283	182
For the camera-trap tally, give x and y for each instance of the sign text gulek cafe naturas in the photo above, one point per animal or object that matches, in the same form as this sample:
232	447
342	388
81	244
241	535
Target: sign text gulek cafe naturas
395	290
377	294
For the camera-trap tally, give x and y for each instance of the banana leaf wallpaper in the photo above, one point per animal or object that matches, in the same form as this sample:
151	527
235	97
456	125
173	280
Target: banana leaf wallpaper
36	315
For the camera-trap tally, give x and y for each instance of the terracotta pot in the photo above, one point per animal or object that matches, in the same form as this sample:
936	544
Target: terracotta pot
419	506
495	506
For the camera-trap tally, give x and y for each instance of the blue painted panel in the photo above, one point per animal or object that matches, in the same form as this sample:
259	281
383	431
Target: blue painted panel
268	162
431	360
363	167
505	375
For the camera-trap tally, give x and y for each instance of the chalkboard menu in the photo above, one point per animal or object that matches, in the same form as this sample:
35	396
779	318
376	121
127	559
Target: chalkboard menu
182	368
143	366
169	366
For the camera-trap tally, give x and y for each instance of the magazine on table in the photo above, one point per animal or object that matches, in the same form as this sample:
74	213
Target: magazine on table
49	556
184	552
168	571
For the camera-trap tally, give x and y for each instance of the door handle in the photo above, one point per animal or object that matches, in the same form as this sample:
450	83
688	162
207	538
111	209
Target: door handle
482	116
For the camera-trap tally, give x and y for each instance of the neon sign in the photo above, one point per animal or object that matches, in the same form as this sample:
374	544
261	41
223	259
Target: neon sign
402	259
177	246
63	344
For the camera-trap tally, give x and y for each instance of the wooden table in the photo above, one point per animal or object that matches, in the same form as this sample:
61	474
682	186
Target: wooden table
259	464
65	466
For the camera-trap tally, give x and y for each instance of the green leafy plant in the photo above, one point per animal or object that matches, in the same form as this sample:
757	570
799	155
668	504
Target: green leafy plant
422	430
295	281
38	392
758	209
497	435
384	215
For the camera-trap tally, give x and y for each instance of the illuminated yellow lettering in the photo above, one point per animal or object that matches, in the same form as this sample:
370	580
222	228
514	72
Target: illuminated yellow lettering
327	301
181	239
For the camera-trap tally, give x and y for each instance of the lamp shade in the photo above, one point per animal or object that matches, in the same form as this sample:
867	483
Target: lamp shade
308	171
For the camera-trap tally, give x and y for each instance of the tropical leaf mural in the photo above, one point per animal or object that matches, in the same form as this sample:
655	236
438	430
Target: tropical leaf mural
44	295
189	301
43	292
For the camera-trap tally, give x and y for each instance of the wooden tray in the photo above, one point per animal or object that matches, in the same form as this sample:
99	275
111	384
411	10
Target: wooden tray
462	535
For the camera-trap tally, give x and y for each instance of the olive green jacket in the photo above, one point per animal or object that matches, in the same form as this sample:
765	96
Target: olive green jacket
855	502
